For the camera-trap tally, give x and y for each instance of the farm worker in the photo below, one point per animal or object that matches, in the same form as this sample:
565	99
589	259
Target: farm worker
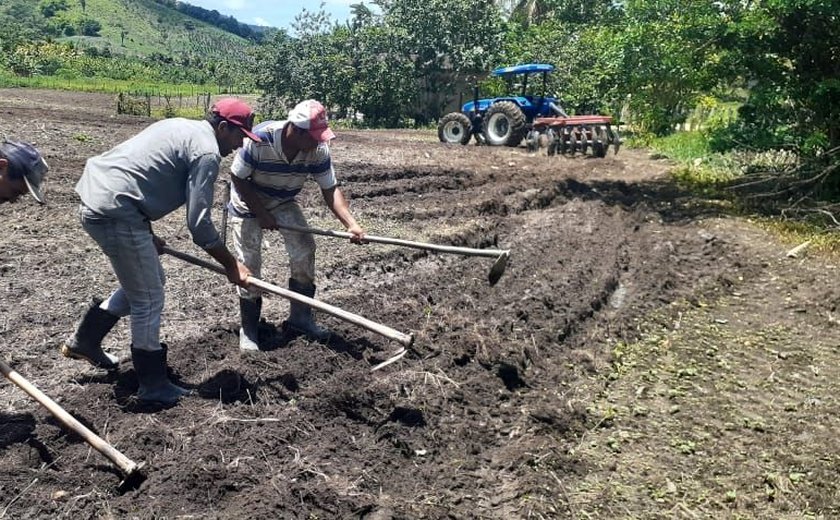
172	163
22	169
266	176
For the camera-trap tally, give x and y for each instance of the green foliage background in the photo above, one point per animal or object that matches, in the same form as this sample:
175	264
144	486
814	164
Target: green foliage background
649	63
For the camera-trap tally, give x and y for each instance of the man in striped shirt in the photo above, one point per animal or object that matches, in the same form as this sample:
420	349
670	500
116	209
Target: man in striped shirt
266	177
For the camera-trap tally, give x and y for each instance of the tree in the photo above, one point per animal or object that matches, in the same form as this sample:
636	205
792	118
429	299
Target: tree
50	8
446	41
788	51
88	26
672	51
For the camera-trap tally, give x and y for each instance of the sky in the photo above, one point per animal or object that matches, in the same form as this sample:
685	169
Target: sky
275	13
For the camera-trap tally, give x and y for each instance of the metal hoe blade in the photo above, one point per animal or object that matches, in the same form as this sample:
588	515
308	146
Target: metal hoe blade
498	268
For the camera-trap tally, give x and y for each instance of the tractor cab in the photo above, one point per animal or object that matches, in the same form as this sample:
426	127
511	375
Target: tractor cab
530	81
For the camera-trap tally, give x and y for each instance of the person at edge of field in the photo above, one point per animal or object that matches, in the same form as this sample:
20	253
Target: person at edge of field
169	164
22	169
266	177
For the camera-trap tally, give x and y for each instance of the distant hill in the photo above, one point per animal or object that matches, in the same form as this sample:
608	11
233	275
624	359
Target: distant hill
148	27
159	41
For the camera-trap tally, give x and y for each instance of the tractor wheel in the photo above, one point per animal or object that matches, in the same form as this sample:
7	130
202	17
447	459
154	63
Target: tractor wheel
504	124
454	128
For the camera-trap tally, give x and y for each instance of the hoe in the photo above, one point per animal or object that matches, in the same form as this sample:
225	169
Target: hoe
130	469
404	339
496	271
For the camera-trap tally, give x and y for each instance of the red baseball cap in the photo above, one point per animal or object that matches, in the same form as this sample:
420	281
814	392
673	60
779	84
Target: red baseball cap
237	113
311	115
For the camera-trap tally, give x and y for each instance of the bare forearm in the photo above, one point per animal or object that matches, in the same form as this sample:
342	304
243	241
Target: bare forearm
338	205
222	255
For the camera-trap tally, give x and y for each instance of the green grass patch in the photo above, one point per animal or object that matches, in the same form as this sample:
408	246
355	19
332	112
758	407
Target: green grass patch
795	232
698	168
106	85
682	146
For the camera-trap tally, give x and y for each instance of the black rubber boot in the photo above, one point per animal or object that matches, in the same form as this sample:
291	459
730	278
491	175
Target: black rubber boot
300	315
86	343
249	311
155	386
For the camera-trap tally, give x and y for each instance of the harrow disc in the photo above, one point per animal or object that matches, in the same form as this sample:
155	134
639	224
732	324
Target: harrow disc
599	142
572	142
585	138
552	139
532	140
562	142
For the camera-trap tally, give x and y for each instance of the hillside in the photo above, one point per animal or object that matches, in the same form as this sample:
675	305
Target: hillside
151	41
144	27
134	28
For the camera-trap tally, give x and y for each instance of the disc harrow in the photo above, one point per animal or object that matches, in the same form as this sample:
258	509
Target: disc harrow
573	134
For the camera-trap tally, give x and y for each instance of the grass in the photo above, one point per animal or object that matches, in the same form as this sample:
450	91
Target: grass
796	232
105	85
698	168
150	27
706	173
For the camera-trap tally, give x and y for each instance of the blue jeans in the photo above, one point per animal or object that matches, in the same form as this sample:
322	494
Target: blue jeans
134	259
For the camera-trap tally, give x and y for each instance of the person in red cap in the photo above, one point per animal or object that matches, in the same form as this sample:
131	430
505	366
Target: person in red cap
171	163
22	170
266	177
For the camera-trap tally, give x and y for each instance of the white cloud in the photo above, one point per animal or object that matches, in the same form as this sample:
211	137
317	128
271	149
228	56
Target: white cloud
262	21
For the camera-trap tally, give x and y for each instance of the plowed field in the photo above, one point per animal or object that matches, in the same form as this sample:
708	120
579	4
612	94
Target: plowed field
644	355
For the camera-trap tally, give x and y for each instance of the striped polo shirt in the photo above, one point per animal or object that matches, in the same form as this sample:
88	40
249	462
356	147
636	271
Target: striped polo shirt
275	179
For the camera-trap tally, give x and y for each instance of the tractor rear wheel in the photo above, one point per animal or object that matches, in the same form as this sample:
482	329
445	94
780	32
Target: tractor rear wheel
454	128
504	124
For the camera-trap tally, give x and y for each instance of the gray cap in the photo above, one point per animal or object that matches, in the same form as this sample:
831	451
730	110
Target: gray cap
25	162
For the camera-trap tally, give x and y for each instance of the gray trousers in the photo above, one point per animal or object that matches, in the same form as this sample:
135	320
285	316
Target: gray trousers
247	244
134	259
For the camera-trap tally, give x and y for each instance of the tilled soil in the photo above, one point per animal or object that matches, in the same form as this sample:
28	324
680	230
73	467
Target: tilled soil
483	418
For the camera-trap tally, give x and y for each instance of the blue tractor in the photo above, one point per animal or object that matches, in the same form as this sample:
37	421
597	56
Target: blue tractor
537	118
503	120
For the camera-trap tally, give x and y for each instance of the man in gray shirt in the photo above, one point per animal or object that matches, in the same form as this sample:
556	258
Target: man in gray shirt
172	163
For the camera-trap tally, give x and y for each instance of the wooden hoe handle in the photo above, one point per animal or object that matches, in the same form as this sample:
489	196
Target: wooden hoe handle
466	251
388	332
126	465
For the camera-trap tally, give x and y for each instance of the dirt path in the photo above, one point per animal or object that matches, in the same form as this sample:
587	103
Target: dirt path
643	356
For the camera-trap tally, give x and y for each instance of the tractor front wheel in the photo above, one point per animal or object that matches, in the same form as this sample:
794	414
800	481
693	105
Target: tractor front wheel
504	124
454	128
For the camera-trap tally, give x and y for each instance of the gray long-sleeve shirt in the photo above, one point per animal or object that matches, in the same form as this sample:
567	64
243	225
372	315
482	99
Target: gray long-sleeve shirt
171	163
